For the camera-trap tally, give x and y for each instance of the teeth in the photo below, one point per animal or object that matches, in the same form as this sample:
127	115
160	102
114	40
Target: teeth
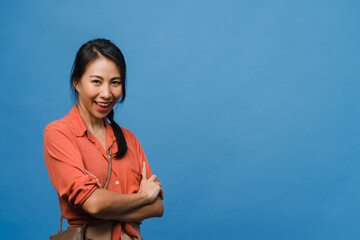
103	104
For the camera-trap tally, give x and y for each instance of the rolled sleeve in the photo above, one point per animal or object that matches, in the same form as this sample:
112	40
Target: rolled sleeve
65	166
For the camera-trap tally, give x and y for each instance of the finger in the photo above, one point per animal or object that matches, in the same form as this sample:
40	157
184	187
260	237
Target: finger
157	183
144	170
153	178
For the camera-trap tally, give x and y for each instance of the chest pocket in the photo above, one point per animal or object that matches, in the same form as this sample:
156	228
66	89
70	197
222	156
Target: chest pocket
130	180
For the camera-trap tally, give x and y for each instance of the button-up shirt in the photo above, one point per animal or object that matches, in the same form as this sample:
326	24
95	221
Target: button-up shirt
78	164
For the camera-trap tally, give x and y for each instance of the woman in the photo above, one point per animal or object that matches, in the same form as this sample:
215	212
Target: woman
78	148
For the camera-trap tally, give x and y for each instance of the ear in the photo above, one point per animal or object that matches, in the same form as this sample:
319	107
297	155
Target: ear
75	83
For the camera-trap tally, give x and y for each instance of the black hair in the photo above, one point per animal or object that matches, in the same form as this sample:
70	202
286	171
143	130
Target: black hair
89	52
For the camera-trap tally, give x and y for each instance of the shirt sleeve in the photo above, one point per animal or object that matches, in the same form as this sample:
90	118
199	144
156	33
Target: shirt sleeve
65	166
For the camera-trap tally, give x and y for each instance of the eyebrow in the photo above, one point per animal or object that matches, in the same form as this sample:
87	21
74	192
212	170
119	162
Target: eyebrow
114	78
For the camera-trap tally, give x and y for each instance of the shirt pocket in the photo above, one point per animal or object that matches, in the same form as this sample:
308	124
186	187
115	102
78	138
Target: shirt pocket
133	180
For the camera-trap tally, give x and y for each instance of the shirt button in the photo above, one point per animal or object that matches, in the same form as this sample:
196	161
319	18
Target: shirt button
109	156
117	182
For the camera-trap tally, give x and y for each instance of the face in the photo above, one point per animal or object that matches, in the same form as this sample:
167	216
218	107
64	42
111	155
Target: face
99	89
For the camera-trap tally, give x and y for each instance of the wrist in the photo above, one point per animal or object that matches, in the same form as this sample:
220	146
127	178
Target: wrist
144	198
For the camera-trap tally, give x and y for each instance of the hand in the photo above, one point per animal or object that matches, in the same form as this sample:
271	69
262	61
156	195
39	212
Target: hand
149	187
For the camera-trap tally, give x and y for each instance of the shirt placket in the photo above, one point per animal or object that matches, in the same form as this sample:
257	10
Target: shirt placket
114	178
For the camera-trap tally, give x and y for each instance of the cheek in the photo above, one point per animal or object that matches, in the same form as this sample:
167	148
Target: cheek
117	93
87	93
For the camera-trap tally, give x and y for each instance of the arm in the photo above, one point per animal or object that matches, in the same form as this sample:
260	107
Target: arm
144	204
65	165
123	212
155	209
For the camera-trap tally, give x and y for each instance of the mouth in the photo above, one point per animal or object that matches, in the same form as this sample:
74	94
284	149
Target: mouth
103	106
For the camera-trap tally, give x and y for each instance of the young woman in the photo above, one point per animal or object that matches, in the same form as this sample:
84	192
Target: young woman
78	148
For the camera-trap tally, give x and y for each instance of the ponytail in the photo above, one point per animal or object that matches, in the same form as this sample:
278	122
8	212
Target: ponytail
119	135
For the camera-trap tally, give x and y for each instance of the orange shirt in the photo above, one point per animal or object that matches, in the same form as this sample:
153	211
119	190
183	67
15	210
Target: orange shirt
78	165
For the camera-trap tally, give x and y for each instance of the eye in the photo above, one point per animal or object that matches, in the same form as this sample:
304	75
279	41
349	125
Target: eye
95	81
117	82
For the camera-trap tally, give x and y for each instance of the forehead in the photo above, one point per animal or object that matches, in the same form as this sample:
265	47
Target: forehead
102	66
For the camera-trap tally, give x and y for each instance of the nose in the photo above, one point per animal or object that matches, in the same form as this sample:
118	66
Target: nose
105	91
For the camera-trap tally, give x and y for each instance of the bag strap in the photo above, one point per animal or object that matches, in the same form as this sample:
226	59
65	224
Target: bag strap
105	187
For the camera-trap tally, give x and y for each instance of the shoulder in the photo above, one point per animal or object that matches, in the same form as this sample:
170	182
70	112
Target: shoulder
132	142
129	135
56	127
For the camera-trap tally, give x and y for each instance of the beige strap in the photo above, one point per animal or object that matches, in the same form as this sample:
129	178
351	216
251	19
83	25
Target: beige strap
106	185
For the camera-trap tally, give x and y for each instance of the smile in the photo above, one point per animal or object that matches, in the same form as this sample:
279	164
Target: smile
103	106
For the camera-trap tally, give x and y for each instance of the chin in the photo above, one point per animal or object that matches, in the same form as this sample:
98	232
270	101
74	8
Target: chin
101	115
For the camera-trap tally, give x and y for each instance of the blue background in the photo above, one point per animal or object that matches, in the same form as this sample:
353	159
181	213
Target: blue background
248	111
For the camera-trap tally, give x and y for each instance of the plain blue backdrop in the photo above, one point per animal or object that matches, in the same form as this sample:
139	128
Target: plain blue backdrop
248	111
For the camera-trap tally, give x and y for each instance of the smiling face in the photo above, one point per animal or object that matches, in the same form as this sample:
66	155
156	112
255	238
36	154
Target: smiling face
99	89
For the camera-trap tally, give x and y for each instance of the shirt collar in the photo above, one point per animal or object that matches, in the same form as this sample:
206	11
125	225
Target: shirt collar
77	122
80	127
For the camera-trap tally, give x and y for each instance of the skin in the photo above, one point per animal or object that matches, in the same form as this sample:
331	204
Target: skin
101	84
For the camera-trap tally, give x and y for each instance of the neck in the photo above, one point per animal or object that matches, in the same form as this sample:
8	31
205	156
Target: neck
91	122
